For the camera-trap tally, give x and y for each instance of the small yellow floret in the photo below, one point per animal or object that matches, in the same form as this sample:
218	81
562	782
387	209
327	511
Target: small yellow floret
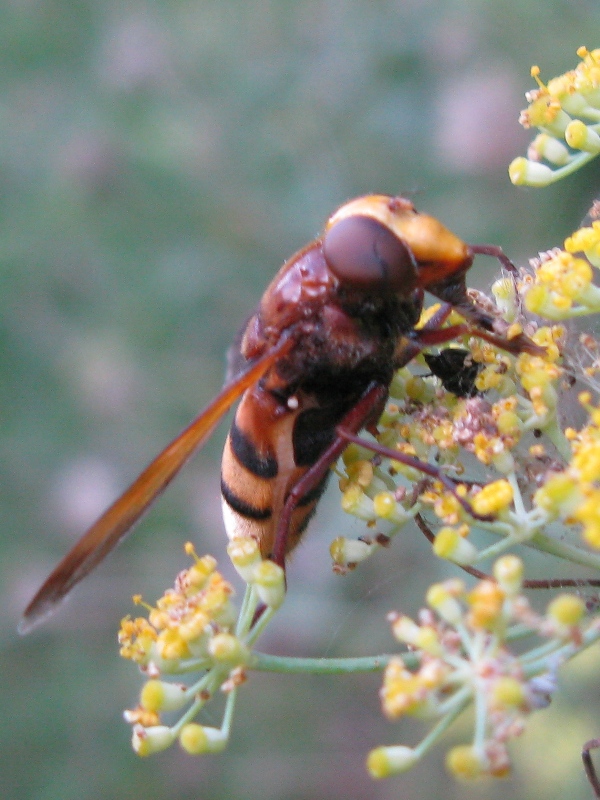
508	571
161	696
443	602
493	498
193	739
464	761
507	692
384	504
588	513
487	601
146	741
566	609
451	545
385	761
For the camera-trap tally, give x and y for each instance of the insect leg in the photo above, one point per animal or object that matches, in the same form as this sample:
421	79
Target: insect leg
442	335
590	770
495	251
413	463
359	415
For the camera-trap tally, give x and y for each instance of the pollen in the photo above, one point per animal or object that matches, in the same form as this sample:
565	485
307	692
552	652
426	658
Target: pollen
136	638
486	601
560	495
448	508
589	515
493	498
406	692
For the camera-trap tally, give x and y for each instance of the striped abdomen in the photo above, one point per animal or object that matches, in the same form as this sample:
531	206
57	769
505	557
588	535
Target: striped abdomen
269	448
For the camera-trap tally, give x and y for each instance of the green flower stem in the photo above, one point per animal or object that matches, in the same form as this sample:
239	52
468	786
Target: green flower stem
228	713
462	700
519	631
211	681
539	541
386	478
480	718
264	662
561	654
190	665
259	627
495	549
247	610
577	163
517	496
457	700
565	551
538	657
554	432
205	683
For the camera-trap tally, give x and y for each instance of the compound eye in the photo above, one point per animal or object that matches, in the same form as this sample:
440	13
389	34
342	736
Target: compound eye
363	252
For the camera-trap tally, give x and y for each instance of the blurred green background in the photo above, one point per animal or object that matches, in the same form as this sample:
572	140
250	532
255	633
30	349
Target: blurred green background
158	161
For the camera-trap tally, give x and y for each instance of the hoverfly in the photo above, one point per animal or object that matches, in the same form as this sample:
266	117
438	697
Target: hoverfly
312	367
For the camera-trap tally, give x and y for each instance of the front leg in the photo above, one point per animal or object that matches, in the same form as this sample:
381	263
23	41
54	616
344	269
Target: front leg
368	406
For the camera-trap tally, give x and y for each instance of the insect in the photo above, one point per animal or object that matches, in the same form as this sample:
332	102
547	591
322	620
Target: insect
455	369
312	366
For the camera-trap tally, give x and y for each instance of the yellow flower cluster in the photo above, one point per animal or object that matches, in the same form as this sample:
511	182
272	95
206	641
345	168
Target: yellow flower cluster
573	495
190	630
462	645
184	620
566	111
563	285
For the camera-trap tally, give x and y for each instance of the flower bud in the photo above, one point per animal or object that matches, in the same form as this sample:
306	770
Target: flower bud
146	741
269	582
560	496
440	599
581	137
449	544
487	601
226	648
493	498
245	556
464	761
348	552
523	172
507	693
508	571
382	762
163	696
566	609
356	502
198	739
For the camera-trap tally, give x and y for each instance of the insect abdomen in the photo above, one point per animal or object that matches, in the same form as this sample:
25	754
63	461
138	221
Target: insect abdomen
263	460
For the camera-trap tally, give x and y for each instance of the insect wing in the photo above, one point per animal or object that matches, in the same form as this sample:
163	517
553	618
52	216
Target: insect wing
120	517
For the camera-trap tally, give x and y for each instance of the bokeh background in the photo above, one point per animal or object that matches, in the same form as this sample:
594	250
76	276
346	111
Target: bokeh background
158	161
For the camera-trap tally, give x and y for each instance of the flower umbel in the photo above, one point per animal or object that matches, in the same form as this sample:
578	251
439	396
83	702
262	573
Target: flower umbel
464	651
566	111
194	628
